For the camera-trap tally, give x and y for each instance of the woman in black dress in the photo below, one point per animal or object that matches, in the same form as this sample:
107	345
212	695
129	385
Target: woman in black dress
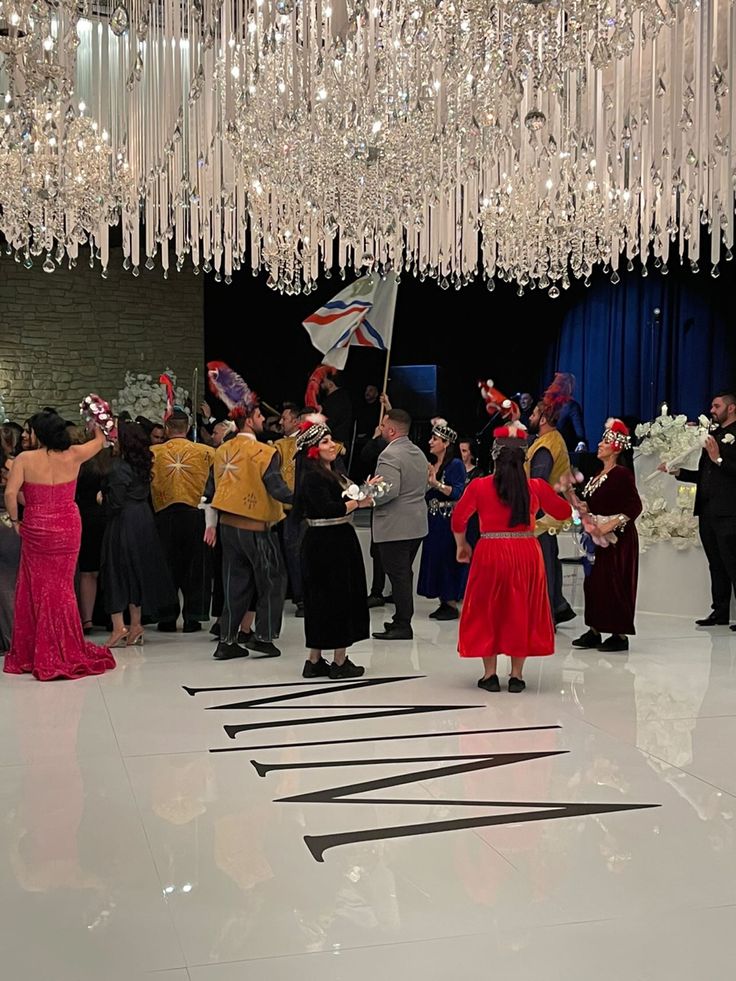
10	445
135	575
94	520
335	594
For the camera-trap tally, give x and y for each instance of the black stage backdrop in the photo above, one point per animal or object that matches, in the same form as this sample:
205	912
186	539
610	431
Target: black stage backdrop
626	358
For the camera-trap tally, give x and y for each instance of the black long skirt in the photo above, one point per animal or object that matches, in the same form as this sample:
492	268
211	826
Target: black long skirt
133	565
335	591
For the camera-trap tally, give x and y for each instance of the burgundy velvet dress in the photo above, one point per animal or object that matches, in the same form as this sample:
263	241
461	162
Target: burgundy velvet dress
47	632
506	608
610	589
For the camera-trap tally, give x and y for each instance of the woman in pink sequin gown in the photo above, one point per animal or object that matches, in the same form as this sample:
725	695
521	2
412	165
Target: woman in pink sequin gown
47	630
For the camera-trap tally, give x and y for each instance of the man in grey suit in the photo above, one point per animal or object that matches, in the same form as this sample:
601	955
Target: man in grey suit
400	518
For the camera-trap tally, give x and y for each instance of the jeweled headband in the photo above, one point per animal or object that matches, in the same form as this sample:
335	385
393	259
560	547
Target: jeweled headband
312	436
617	437
444	432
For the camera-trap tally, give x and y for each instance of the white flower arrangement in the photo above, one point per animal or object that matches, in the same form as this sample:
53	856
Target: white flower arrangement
143	395
728	439
675	443
658	523
671	438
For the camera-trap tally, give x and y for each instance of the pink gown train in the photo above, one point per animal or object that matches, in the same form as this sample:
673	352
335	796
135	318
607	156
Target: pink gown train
47	631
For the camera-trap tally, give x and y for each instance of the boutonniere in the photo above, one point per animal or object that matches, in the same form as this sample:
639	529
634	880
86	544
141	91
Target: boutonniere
728	439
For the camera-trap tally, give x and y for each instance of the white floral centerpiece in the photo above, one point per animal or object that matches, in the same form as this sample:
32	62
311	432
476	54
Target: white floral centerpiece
143	395
668	507
672	438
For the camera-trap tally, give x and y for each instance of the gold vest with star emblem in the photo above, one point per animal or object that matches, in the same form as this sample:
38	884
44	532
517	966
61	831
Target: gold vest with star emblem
287	450
239	489
180	472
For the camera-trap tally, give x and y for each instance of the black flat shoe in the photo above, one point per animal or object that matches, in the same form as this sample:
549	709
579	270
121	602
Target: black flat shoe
316	669
375	601
244	636
167	626
226	652
341	672
263	647
215	629
732	627
712	621
395	633
563	616
588	641
299	611
490	684
191	627
87	628
614	644
445	612
516	685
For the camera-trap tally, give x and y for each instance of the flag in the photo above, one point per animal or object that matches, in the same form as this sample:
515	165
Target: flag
361	315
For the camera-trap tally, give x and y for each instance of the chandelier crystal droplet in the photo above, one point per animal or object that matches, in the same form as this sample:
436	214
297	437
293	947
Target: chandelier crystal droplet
521	141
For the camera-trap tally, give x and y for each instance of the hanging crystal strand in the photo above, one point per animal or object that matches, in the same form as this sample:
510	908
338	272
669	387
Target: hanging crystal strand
708	162
191	179
699	108
651	117
729	119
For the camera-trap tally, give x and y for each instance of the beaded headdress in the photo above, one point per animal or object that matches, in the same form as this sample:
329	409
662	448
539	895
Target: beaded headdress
311	436
617	434
445	432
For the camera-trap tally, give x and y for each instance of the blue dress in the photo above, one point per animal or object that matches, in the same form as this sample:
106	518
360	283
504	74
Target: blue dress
440	575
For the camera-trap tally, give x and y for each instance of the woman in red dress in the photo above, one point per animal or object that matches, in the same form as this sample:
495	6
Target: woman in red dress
47	631
610	506
506	608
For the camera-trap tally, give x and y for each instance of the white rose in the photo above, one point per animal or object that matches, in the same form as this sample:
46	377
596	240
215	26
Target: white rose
728	439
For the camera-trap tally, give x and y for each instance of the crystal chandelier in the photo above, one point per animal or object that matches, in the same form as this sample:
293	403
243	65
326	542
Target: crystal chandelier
450	139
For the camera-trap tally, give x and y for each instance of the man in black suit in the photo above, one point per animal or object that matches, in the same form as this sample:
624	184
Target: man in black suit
715	506
338	408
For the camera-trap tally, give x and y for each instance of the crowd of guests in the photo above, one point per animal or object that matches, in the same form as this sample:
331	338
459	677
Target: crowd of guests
162	527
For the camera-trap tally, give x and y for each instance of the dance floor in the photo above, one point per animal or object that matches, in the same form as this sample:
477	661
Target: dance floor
190	820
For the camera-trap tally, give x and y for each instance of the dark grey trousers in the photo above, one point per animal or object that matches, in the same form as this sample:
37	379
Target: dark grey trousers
251	565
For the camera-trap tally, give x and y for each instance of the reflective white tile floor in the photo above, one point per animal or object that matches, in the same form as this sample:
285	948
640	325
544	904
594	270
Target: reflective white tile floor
582	829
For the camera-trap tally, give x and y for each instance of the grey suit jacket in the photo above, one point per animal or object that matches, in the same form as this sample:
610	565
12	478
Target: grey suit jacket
402	513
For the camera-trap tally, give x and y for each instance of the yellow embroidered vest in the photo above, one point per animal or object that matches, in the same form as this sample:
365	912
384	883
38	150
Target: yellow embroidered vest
553	442
180	472
239	489
286	447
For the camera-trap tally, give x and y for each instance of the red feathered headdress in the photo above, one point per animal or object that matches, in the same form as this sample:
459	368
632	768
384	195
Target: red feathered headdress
558	393
497	402
230	388
167	381
617	434
311	396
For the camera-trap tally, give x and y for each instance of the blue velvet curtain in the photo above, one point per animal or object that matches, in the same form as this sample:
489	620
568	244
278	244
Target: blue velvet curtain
627	360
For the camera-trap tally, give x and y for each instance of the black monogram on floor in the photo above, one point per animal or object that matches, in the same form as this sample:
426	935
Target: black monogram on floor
349	793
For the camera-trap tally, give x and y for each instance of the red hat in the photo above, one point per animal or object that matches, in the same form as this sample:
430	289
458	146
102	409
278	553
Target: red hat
617	434
497	402
514	431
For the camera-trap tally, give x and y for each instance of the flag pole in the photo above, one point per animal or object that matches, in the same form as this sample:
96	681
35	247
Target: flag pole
388	355
385	377
195	380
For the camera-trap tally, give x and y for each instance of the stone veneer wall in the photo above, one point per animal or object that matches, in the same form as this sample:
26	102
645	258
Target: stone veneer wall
67	333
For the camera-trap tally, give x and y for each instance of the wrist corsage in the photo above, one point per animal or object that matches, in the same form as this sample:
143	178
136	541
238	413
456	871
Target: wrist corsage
368	490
